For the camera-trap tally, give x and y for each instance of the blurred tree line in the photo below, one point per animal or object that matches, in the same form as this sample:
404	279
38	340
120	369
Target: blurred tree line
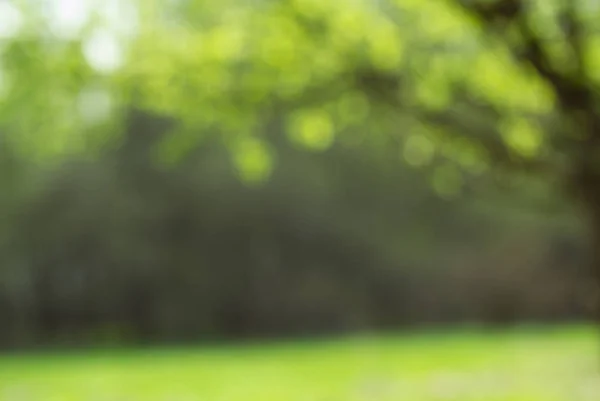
119	249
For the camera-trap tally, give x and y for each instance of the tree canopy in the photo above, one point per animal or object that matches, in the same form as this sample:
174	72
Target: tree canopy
466	81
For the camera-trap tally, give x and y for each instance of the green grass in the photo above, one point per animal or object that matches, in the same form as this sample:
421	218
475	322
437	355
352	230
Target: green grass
527	364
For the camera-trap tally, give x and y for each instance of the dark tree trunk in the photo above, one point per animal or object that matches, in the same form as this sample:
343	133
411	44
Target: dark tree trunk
594	224
589	189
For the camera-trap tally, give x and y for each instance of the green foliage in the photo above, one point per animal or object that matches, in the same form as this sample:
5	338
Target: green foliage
523	136
253	159
418	150
322	66
312	128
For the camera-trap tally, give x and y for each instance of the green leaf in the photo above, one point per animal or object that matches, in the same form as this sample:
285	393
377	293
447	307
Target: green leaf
253	160
311	128
523	136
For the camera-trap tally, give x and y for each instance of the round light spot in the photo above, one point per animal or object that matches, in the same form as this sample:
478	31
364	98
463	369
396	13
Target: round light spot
11	20
103	52
418	150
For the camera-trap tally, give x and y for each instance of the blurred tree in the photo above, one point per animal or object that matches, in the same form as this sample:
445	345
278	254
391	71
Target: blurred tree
459	85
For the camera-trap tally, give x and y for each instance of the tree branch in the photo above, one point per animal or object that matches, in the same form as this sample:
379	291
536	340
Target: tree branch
572	92
574	36
460	124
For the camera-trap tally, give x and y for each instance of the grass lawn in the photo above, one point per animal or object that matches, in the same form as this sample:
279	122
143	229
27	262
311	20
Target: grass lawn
544	364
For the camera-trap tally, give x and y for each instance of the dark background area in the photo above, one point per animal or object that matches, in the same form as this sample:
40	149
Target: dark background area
122	250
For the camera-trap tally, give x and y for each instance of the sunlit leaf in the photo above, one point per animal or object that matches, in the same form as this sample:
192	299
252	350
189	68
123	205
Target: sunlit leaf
253	160
524	136
385	46
593	57
311	128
